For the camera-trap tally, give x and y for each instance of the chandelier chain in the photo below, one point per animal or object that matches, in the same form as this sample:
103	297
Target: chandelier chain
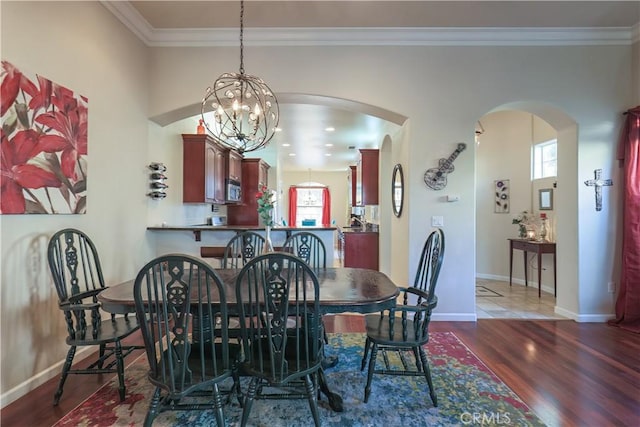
241	36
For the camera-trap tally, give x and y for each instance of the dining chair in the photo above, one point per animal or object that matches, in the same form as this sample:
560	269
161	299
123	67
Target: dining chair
242	248
404	329
181	307
307	246
77	275
281	332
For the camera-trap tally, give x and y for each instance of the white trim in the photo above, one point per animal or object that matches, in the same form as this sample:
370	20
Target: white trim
374	36
40	378
533	283
454	317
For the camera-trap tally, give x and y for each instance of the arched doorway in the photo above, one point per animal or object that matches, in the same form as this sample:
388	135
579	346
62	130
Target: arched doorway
503	157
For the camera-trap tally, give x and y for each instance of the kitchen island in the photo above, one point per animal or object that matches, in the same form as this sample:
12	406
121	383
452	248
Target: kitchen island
208	241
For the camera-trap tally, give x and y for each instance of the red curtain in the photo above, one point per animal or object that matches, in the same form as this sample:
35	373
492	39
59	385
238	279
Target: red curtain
628	302
326	207
293	205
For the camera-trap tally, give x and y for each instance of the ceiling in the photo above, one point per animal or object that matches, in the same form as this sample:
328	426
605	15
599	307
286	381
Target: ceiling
198	23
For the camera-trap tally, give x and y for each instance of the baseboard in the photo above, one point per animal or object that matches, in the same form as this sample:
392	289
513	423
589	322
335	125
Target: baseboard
454	317
40	378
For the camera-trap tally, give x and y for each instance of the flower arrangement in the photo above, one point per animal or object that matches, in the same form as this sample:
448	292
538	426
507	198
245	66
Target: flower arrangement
524	219
265	199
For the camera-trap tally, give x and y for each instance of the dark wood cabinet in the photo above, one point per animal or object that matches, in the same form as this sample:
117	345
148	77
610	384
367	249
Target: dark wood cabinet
234	165
254	175
203	170
353	180
367	173
360	249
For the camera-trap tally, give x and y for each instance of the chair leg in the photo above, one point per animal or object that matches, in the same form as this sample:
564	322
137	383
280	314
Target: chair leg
217	405
153	408
120	367
427	374
372	366
248	401
63	376
101	355
313	399
367	343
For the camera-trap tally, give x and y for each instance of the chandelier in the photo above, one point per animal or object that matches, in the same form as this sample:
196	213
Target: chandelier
245	111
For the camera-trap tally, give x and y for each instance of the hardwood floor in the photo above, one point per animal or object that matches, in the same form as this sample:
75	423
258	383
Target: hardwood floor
570	374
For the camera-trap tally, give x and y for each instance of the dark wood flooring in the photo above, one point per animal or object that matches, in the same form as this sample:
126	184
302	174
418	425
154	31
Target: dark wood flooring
570	374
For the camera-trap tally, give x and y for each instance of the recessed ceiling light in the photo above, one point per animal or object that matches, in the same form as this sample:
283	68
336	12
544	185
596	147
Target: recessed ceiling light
292	154
330	129
286	145
328	145
327	154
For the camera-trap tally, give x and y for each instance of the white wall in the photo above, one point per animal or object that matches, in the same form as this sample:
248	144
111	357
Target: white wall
83	47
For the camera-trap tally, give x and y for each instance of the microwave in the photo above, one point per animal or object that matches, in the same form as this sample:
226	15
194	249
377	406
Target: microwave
234	191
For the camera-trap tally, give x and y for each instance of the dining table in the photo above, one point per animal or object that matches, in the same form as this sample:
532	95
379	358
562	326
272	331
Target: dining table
342	290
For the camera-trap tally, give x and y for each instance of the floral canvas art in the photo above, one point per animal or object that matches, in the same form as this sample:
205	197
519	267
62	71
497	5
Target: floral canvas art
43	146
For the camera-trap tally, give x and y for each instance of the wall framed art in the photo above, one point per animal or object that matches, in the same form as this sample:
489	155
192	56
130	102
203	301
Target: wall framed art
502	200
545	199
44	145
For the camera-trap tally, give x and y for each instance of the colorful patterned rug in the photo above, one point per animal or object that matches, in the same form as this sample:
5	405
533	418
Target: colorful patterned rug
468	394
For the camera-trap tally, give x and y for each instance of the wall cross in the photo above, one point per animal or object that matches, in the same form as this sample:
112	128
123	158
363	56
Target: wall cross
598	183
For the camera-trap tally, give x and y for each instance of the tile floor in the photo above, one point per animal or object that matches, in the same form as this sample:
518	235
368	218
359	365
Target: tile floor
496	300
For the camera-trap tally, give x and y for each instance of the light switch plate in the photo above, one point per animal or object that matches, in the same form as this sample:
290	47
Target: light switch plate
437	221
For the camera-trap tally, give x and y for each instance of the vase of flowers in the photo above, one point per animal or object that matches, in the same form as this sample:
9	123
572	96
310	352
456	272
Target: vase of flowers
265	199
524	220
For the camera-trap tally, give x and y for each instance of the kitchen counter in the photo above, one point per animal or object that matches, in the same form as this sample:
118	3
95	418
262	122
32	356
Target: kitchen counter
203	240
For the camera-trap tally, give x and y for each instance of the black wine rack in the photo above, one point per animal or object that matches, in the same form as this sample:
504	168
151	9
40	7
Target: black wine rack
157	179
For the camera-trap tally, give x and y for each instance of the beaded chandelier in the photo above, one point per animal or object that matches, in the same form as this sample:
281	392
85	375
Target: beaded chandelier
245	111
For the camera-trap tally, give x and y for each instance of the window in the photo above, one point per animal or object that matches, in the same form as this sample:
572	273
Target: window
545	160
309	205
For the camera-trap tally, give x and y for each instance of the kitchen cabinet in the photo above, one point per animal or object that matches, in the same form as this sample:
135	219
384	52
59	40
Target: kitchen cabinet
367	177
360	249
353	181
254	175
234	166
203	170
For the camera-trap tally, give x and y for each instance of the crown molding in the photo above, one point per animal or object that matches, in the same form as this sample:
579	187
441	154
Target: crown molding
380	36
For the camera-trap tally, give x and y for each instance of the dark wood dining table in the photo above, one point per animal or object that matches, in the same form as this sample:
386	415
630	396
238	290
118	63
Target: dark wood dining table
342	290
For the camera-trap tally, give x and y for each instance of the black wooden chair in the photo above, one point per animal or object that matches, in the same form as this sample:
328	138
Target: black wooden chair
404	329
242	248
77	276
307	246
181	306
278	302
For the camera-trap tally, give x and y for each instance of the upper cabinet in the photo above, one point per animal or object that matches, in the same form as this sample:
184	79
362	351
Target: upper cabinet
235	166
367	177
206	166
353	180
255	173
203	170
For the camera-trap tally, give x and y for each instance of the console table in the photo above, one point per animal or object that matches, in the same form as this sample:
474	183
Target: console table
537	247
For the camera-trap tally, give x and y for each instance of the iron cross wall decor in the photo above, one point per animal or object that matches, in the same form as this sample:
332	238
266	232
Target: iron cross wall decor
436	178
598	183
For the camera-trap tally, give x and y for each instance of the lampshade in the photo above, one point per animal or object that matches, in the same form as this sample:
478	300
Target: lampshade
245	110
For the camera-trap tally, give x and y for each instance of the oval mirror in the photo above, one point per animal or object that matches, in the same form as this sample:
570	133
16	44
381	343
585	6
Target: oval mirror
397	190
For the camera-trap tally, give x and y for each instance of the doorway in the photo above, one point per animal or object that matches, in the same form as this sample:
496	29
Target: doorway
507	193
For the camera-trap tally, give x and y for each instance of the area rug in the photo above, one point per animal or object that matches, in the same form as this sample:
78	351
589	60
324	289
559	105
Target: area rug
468	394
483	291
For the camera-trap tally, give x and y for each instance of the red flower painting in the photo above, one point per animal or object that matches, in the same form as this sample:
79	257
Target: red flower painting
43	165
